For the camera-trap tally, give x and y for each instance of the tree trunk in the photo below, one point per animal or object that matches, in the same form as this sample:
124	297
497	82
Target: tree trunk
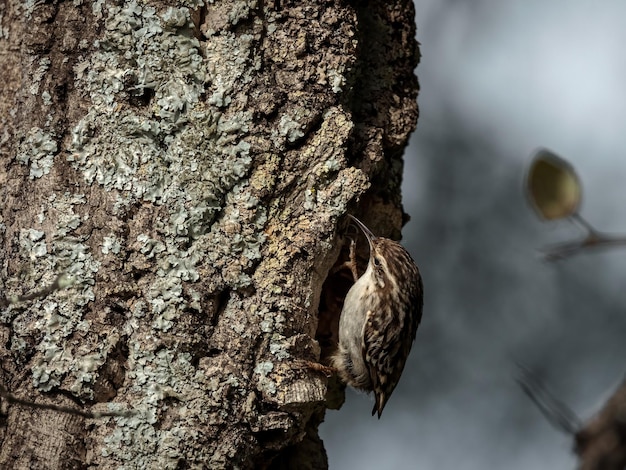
187	167
601	442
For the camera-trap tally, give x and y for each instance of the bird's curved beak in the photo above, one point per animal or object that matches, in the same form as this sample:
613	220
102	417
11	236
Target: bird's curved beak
368	234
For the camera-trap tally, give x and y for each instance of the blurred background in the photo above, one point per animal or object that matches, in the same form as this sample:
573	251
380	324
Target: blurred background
500	78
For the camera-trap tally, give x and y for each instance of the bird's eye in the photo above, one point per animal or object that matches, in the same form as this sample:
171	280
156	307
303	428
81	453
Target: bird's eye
377	262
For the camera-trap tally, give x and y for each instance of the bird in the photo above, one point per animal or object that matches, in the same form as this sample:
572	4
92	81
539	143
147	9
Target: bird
379	319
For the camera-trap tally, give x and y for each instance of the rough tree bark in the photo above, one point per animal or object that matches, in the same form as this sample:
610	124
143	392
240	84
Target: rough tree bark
188	167
601	443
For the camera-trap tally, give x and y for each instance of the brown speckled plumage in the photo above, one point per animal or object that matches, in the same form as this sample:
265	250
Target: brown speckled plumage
379	320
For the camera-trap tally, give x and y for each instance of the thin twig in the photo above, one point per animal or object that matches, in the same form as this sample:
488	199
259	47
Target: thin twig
10	398
594	240
554	410
61	282
582	222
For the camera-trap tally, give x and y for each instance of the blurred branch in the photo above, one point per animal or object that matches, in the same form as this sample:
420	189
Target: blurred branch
600	443
593	239
555	411
10	398
61	282
567	249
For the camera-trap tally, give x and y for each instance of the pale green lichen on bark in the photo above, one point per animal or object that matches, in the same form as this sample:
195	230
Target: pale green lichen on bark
202	161
158	375
189	159
52	254
37	150
44	65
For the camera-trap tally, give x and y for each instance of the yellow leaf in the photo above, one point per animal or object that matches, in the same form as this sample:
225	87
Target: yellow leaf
553	186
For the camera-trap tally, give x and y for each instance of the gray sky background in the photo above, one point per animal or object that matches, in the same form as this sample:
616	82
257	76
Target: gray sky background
500	79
